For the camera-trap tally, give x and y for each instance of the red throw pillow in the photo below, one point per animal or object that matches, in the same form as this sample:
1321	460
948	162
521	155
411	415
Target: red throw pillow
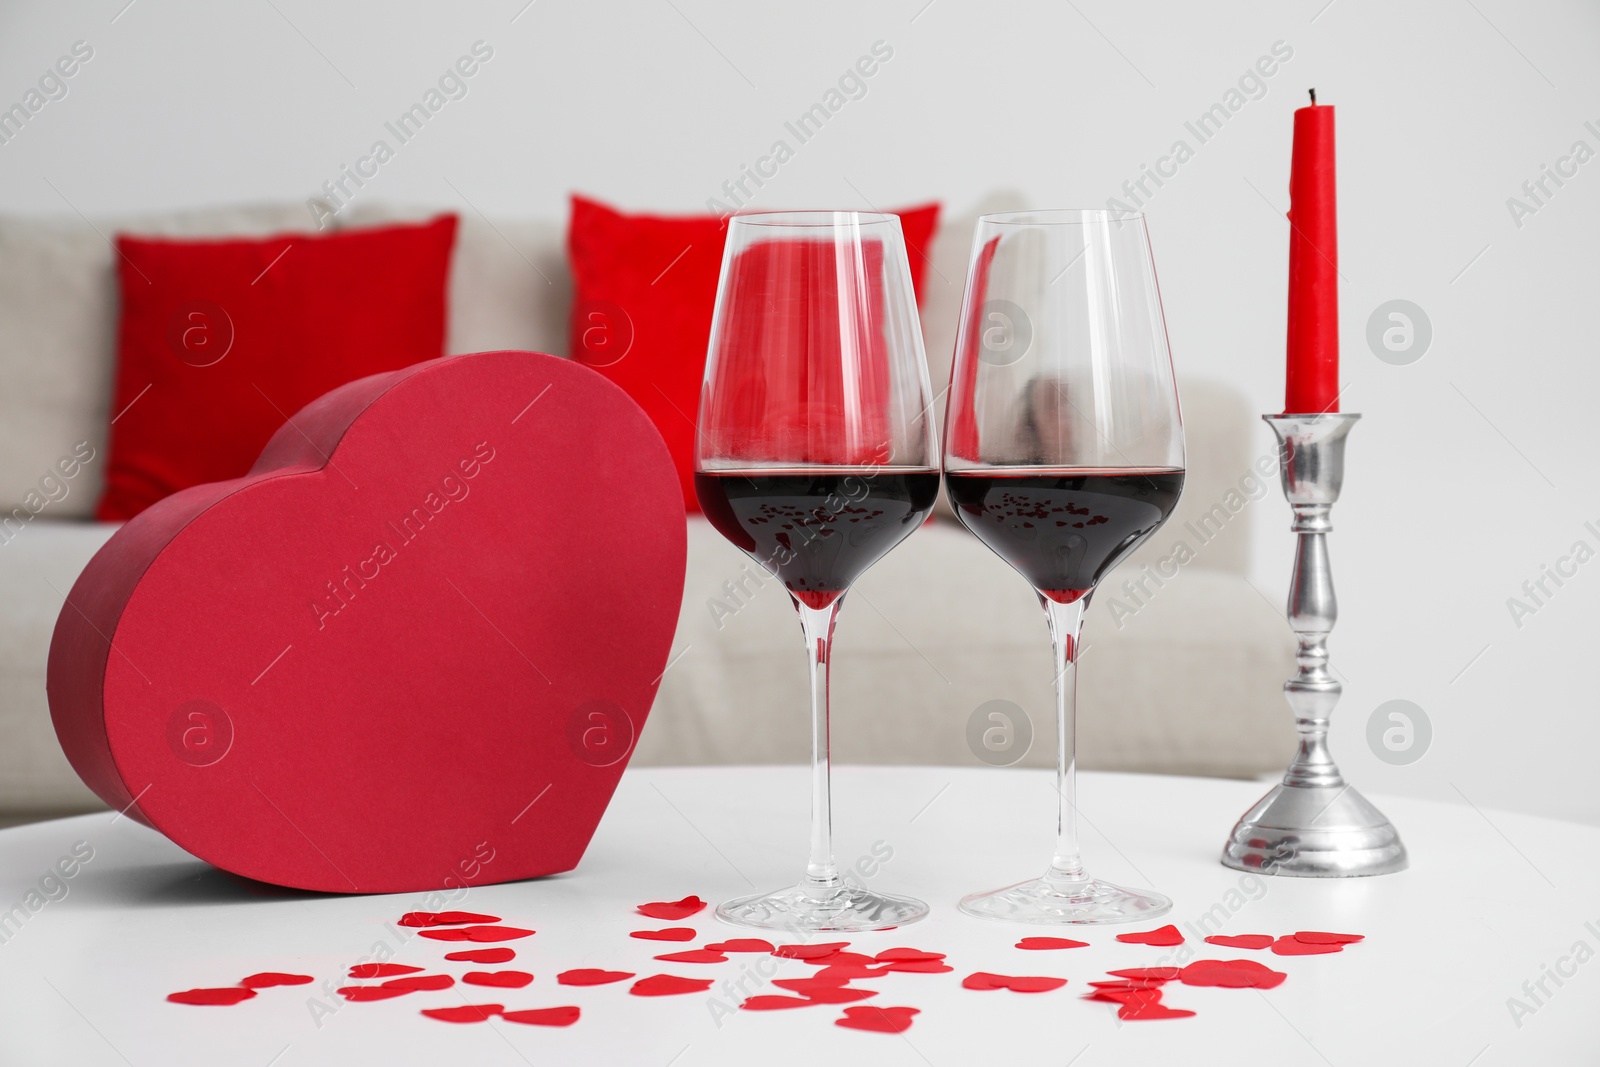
644	288
221	341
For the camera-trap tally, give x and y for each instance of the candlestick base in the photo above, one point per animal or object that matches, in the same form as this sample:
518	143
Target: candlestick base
1315	832
1313	825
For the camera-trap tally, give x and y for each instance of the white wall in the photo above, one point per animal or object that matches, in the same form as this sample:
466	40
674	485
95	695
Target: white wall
1469	470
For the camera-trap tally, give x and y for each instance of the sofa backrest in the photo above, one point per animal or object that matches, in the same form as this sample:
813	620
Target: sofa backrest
509	288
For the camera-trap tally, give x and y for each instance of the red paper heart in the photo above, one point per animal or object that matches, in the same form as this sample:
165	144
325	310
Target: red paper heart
591	976
694	955
467	1013
838	994
671	933
483	955
418	983
563	1016
1050	942
769	1002
221	995
1291	946
267	979
666	985
1231	974
841	956
1322	937
849	972
381	970
807	986
1130	983
500	979
881	1020
1015	983
1241	940
742	944
283	720
444	918
1162	935
809	952
1125	996
477	933
1165	974
360	993
917	966
907	954
1149	1011
669	910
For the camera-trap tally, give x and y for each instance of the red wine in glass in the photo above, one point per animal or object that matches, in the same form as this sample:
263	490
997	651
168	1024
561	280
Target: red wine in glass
818	529
1063	529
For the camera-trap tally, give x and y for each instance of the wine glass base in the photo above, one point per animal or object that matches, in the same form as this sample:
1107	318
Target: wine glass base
803	909
1053	902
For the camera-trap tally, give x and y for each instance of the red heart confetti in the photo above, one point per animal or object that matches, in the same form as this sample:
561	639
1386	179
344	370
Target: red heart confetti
499	979
670	910
1241	940
771	1002
360	993
1165	974
563	1016
808	986
467	1013
1147	1011
809	952
880	1020
1231	974
381	970
224	995
483	955
1126	996
907	954
267	979
1321	937
741	944
671	933
1290	946
842	956
418	983
666	985
1039	943
916	966
694	955
838	994
1163	936
591	976
478	933
1131	983
444	918
846	972
1015	983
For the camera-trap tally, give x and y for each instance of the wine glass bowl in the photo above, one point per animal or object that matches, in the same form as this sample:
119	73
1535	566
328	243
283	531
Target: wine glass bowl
815	456
1063	452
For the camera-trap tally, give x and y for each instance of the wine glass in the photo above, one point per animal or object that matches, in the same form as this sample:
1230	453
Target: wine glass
815	455
1063	451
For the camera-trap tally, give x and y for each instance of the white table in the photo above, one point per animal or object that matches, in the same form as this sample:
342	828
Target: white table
1492	899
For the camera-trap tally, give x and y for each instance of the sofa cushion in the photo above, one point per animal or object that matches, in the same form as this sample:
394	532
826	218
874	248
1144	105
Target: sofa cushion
58	320
221	341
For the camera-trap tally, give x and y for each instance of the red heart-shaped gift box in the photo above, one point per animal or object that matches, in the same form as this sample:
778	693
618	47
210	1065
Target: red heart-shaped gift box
411	649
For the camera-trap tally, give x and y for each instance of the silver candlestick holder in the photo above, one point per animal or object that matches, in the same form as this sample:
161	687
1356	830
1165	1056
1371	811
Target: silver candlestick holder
1313	825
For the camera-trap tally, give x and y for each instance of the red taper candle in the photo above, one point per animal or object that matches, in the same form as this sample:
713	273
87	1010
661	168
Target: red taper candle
1312	377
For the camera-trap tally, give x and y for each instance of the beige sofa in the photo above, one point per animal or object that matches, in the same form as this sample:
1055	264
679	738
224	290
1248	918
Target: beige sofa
1181	675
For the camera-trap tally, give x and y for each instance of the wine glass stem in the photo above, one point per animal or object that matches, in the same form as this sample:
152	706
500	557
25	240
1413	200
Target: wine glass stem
1066	623
822	875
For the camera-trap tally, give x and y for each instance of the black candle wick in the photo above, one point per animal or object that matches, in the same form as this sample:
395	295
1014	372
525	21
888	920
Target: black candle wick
1313	98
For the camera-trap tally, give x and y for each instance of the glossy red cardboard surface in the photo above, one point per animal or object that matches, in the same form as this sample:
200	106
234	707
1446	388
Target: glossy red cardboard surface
411	650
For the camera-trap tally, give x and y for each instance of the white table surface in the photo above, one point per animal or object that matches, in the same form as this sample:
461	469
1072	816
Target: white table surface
1492	900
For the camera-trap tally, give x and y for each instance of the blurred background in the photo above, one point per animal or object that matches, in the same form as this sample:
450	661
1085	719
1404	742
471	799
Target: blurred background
1466	478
